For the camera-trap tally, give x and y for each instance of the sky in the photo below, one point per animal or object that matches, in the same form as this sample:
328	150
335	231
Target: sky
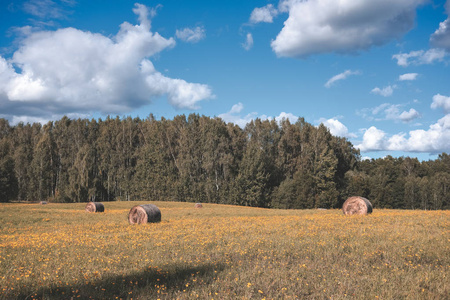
374	72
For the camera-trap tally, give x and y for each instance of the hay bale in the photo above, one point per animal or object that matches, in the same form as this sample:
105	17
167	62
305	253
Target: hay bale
357	206
95	207
43	202
198	205
142	214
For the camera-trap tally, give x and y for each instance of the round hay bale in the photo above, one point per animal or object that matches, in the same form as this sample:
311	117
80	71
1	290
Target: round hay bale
95	207
357	206
142	214
198	205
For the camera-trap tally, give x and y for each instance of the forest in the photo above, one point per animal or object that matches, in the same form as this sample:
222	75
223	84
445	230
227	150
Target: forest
202	159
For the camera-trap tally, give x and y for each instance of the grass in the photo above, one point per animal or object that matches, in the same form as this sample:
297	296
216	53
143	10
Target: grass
58	251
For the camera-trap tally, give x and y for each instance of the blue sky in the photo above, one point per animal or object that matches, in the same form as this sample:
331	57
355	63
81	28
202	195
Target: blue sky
375	72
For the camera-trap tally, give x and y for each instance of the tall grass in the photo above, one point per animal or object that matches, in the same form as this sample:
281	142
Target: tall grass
59	251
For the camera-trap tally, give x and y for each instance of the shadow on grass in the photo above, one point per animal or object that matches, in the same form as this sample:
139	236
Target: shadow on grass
142	285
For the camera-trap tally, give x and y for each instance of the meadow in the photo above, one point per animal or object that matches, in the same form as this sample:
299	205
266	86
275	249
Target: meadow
59	251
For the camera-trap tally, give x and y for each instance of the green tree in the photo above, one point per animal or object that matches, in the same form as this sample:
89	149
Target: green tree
386	191
8	180
425	194
43	165
441	191
289	149
412	192
319	164
258	173
23	138
217	161
156	172
358	184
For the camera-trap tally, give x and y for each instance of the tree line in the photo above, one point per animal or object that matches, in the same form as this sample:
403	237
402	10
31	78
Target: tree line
202	159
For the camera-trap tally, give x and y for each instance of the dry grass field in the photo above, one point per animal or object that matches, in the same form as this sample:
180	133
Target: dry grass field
59	251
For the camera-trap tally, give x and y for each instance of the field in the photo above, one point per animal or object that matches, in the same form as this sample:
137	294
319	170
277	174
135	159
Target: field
58	251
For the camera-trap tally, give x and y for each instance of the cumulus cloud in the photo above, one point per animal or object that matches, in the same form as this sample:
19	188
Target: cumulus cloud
237	108
286	116
181	94
408	116
248	42
67	70
441	37
440	101
385	92
324	26
391	112
285	5
340	76
373	140
408	76
191	35
420	57
434	140
234	116
263	14
337	128
28	119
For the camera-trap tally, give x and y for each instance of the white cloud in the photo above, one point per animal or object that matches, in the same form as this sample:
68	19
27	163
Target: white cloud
263	14
441	37
408	76
27	119
385	92
282	116
340	76
392	112
420	57
44	9
6	72
234	116
434	140
237	108
441	101
286	116
191	35
324	26
71	70
181	94
402	58
373	140
382	107
248	42
432	55
337	128
387	111
285	5
408	116
31	120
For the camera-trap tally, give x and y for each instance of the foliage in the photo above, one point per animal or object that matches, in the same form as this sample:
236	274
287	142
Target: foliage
8	180
202	159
